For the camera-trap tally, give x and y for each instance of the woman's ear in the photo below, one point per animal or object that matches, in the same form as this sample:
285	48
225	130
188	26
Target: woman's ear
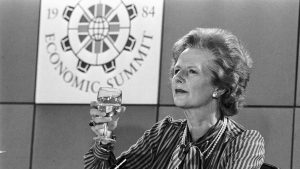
218	92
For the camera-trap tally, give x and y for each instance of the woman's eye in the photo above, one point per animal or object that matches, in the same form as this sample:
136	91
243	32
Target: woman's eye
176	71
192	71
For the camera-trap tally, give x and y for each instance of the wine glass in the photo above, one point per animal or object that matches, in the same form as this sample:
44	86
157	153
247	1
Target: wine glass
109	101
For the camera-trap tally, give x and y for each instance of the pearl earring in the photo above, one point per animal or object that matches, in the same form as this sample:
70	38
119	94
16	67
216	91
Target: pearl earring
214	95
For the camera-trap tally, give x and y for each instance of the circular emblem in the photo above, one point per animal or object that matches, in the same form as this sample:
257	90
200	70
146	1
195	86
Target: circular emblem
98	32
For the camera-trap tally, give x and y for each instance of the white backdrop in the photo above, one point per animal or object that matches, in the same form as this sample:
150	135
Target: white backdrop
91	43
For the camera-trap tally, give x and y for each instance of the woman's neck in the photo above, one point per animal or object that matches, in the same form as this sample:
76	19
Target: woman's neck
200	120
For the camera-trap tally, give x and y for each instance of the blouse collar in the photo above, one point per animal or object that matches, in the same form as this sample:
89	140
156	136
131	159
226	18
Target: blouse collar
207	137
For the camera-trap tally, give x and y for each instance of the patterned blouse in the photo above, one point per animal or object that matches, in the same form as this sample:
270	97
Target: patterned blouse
236	148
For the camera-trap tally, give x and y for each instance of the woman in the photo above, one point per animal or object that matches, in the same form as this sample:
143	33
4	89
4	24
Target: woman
209	75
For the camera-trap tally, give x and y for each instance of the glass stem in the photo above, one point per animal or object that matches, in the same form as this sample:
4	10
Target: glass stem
105	130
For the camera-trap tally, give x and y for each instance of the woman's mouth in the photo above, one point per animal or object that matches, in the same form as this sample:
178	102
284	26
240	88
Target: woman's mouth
180	91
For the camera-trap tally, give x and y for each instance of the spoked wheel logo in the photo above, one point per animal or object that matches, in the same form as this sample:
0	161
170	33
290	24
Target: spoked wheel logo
98	33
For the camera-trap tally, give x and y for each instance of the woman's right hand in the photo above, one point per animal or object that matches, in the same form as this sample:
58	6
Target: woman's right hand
98	120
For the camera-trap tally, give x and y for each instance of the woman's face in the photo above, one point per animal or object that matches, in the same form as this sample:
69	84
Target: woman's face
191	83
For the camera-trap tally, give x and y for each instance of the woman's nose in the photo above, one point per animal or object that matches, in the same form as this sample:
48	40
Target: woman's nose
179	77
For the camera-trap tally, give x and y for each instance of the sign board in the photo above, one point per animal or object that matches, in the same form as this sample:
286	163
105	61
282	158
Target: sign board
85	44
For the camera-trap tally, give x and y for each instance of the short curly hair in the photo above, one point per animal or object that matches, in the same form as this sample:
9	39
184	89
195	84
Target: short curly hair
230	69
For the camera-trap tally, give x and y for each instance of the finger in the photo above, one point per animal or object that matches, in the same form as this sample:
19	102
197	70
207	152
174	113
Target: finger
102	119
96	113
121	109
93	123
104	140
111	125
94	104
